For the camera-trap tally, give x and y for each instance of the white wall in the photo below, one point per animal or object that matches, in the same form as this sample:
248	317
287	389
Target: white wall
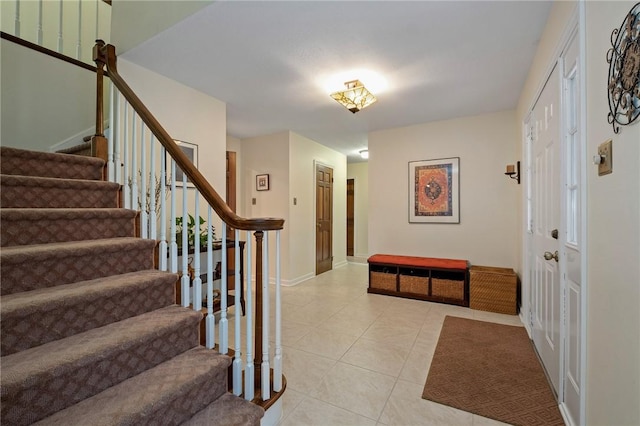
187	115
613	326
304	154
268	155
359	172
39	108
487	231
135	21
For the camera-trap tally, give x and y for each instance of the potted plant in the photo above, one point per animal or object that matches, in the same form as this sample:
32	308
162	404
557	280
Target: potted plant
193	230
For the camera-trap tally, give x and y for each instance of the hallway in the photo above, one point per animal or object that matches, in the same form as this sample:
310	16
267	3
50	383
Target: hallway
352	358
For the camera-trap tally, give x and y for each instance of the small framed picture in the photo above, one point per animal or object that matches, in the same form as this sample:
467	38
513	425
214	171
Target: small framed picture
191	151
262	182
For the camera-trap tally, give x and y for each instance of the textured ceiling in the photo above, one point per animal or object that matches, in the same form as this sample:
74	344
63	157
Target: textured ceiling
269	61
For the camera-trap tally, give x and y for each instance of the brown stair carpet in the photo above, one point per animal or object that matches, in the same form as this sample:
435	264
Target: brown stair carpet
90	333
14	161
33	318
171	385
26	268
40	226
46	192
67	371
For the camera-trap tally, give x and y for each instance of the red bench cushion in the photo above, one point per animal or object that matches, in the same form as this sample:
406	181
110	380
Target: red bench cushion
420	262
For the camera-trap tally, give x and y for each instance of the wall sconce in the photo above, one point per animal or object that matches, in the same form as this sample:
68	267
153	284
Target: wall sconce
364	153
514	171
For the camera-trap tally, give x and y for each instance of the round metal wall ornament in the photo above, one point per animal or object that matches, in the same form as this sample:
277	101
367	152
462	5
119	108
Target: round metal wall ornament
624	71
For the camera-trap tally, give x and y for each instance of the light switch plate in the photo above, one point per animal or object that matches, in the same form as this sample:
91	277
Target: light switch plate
253	201
605	150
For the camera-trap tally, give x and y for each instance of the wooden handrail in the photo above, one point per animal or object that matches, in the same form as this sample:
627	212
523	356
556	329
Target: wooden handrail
107	55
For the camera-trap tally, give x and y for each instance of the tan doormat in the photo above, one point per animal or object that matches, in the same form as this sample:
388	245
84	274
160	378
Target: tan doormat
490	370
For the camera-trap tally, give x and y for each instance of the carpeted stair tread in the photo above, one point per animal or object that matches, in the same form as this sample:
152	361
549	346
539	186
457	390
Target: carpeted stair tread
47	192
228	410
23	226
168	394
15	161
26	268
37	317
39	381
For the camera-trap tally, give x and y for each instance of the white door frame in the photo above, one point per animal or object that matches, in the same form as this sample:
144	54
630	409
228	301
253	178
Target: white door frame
576	24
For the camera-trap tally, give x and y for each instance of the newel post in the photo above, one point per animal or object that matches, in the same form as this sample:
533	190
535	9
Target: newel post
258	317
98	141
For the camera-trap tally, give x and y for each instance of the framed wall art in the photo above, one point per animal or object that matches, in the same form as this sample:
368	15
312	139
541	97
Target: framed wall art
262	182
434	191
191	151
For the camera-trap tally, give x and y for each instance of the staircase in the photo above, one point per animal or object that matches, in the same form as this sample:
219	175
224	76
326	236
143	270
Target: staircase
91	334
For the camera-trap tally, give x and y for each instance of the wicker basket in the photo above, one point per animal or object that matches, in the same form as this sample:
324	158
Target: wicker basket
414	284
383	281
493	289
451	289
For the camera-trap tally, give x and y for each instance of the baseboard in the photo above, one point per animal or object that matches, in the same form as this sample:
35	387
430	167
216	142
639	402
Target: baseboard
296	281
340	264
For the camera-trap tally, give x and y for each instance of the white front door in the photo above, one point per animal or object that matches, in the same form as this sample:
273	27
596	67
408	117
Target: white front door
545	249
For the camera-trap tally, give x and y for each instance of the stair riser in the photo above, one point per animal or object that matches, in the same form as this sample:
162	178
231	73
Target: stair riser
24	232
34	272
29	400
65	316
19	162
37	197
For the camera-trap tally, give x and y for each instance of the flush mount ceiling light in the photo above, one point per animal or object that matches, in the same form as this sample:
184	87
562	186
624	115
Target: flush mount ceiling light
355	97
364	153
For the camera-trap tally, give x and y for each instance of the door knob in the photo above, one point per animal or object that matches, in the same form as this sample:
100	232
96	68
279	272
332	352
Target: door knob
548	255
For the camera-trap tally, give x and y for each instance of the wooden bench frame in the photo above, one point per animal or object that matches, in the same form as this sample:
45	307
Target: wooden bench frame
422	278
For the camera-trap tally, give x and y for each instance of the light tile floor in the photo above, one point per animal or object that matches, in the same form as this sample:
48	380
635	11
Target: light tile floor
353	358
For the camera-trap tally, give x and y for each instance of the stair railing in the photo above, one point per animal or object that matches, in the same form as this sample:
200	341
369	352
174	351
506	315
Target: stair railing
143	146
59	25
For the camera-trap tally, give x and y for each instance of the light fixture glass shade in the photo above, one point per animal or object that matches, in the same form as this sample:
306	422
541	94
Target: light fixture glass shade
364	153
355	98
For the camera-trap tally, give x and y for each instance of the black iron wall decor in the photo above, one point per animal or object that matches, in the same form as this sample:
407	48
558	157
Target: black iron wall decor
624	71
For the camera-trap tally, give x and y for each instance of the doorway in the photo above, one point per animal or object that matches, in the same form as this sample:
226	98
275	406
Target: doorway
324	218
350	216
545	191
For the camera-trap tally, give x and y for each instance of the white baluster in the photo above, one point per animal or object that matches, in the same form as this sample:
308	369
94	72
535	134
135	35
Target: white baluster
174	244
16	20
153	219
60	13
112	120
210	324
184	280
237	361
224	326
249	372
163	210
144	202
79	45
134	163
125	154
264	367
197	282
39	31
116	151
277	360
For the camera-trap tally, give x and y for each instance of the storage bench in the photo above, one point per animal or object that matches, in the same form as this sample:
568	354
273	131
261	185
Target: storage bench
425	278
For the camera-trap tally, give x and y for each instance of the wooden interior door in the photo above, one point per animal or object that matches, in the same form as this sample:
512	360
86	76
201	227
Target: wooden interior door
545	183
350	215
324	219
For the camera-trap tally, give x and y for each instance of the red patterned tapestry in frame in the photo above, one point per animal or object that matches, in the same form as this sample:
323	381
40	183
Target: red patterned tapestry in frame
434	191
